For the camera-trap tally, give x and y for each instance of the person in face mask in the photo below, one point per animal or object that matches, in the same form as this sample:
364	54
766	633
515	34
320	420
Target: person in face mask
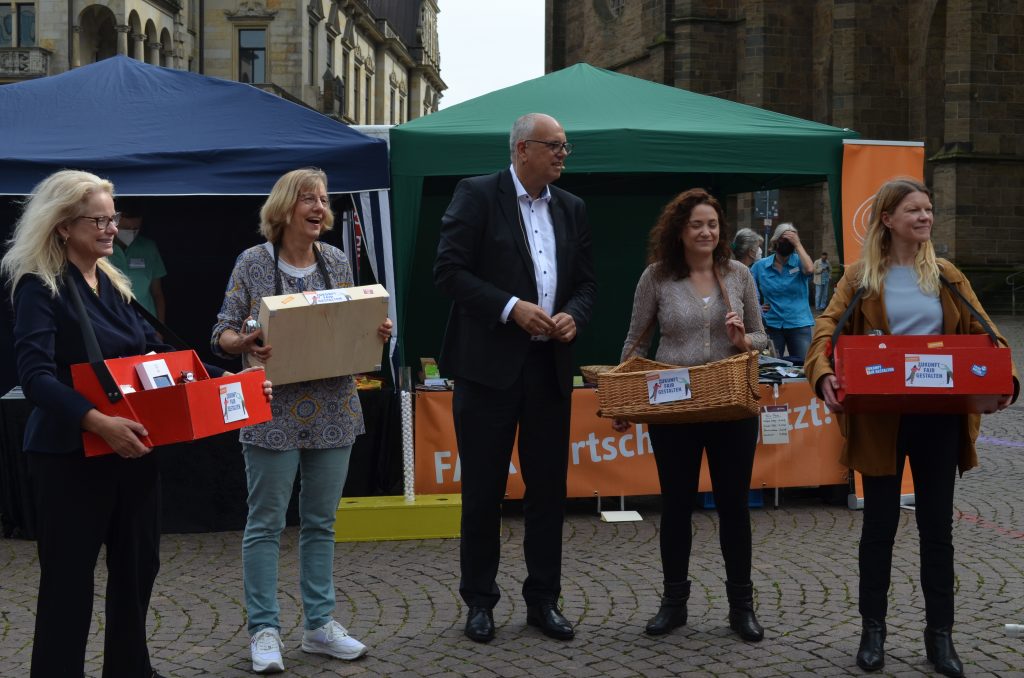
138	258
746	246
782	282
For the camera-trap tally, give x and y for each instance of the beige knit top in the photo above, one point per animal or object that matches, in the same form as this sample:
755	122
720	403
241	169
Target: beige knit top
692	331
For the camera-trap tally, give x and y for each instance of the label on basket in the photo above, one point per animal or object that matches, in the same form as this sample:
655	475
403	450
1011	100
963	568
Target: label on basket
232	403
928	371
775	424
668	386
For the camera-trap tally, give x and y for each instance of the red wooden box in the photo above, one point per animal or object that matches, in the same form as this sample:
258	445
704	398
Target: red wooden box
176	413
921	374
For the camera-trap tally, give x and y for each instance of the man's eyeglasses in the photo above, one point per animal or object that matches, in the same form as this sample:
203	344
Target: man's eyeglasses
309	200
103	222
553	146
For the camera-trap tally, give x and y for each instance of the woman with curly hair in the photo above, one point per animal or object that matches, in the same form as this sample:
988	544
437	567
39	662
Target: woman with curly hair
689	264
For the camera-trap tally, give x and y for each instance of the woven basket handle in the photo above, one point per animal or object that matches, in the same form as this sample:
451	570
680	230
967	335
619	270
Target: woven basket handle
725	297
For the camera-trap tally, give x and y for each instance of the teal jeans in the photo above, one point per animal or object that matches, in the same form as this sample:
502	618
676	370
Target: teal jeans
270	475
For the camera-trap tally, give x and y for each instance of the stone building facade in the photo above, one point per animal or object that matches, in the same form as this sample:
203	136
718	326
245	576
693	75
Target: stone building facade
949	73
360	61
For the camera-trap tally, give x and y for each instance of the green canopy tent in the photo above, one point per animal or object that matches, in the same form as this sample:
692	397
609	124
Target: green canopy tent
637	144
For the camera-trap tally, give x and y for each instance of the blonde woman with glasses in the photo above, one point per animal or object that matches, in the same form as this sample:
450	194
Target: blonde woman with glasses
56	266
312	431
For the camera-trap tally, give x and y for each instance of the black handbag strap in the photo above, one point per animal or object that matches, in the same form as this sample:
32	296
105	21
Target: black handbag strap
845	318
92	346
970	307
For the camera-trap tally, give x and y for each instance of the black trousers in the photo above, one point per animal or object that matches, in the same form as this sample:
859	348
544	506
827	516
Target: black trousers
932	443
81	505
730	447
486	420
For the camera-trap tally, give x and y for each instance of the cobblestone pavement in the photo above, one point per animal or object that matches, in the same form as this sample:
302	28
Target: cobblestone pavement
400	598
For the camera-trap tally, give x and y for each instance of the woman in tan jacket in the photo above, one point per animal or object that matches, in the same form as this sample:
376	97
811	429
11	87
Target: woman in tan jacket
904	294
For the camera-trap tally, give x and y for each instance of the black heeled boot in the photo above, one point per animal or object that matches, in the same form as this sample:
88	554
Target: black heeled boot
871	654
938	643
672	613
741	611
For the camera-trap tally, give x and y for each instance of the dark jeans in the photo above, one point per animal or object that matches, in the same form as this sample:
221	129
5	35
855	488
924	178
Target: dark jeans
677	450
486	420
932	443
82	504
796	339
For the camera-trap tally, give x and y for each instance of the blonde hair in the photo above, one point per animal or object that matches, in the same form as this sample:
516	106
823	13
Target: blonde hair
878	241
280	204
36	248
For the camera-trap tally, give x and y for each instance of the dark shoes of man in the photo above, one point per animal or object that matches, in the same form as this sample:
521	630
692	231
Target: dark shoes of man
742	619
480	624
871	654
550	621
672	613
938	643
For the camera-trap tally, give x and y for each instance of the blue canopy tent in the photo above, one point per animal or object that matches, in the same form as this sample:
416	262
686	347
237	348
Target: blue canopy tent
157	131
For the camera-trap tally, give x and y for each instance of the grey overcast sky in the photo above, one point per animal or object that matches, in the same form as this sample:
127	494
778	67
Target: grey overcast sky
487	45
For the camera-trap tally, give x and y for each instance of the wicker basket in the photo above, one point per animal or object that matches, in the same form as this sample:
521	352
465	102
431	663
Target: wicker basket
590	372
724	390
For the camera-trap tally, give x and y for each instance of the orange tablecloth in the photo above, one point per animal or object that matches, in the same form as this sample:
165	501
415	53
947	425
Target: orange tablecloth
603	462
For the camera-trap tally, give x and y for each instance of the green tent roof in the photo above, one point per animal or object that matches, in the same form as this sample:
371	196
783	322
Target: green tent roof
636	143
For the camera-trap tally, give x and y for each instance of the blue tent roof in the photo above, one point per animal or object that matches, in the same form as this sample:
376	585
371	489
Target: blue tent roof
158	131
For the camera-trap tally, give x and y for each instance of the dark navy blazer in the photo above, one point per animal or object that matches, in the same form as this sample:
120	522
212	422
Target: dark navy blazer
48	340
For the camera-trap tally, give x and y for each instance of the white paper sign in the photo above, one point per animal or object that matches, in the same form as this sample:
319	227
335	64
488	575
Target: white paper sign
775	424
668	386
326	296
232	403
928	371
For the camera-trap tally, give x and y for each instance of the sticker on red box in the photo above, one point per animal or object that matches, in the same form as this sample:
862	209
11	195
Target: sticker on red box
232	402
928	371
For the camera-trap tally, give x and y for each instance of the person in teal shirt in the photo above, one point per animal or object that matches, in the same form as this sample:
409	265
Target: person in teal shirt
782	283
138	257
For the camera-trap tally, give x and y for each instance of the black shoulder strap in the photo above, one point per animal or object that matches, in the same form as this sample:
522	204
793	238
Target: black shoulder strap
320	264
92	346
845	317
970	307
166	332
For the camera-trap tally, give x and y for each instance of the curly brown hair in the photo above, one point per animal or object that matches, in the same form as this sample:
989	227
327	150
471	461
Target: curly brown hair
665	245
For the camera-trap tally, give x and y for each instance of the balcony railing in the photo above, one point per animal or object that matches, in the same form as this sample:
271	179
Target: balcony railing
24	62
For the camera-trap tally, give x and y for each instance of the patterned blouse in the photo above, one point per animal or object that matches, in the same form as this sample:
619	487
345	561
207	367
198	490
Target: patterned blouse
318	414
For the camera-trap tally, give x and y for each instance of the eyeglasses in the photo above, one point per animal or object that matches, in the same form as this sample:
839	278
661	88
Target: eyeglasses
553	146
103	222
309	200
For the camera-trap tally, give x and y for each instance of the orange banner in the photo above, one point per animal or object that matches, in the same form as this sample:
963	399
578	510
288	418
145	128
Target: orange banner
605	463
866	166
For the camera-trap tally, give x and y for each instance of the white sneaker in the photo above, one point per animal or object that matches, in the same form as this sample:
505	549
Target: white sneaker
333	640
265	647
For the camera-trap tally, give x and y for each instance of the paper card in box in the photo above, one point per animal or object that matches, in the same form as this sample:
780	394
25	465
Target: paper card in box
174	414
316	335
911	374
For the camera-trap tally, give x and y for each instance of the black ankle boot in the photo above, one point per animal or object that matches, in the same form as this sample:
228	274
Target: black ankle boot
871	655
938	643
741	611
672	613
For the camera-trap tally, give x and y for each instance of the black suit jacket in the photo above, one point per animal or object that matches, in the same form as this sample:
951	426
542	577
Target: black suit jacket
483	260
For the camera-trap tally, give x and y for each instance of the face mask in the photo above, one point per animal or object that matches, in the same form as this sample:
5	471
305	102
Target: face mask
127	236
785	248
758	254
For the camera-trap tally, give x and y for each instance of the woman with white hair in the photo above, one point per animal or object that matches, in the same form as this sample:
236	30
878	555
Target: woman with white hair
782	281
56	265
746	246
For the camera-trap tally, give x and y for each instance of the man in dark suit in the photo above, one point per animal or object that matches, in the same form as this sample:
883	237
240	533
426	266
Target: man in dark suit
515	257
